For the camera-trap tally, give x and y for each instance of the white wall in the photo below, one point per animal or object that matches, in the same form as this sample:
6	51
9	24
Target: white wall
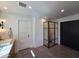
68	18
0	13
38	32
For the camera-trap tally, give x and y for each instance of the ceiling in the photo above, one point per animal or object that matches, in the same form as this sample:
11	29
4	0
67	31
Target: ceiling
50	9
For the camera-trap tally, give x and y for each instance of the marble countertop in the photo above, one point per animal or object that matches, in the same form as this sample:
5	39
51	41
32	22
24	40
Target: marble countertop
5	50
5	47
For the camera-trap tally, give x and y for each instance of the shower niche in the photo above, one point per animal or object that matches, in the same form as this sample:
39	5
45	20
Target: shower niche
49	33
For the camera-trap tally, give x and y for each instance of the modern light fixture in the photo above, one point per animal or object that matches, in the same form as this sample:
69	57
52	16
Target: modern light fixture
2	23
5	7
30	7
62	10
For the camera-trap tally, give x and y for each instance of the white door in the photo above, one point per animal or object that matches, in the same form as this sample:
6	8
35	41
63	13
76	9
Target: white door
25	34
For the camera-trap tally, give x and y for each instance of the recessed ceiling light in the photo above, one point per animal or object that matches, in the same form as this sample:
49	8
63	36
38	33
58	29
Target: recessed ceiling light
5	7
62	10
30	7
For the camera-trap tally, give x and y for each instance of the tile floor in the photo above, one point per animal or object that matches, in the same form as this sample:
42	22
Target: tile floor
57	51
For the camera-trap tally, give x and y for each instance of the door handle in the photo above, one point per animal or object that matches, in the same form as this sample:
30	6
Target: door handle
28	35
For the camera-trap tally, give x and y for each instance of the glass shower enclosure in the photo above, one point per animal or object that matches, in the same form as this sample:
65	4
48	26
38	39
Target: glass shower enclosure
49	33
